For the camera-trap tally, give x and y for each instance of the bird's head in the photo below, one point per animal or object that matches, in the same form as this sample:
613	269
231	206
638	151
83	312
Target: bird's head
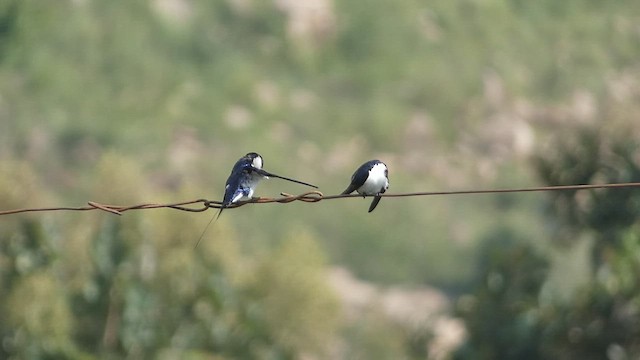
256	160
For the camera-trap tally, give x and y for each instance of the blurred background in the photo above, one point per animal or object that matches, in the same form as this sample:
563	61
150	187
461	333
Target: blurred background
125	102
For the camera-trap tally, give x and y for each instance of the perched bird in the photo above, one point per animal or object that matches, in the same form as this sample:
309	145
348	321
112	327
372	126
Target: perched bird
244	178
372	178
242	182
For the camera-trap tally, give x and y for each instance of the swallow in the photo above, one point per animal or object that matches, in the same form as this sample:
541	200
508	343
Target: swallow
245	176
243	180
371	178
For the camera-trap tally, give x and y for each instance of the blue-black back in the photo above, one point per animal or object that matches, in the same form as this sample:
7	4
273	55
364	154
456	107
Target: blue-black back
360	176
239	173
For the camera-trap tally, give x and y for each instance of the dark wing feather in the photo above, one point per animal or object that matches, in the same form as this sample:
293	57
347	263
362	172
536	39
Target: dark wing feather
351	188
268	174
233	182
358	178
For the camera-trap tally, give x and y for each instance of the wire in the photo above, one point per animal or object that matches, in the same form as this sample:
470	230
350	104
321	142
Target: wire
310	197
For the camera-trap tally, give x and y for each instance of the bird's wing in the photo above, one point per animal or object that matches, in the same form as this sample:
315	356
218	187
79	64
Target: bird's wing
357	179
351	188
232	185
229	190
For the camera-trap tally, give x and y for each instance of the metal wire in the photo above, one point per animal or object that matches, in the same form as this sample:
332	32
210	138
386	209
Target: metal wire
309	197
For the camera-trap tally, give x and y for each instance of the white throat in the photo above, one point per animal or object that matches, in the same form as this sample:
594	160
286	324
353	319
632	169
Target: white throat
257	162
377	181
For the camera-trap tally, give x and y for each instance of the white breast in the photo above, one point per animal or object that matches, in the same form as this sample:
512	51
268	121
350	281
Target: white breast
376	182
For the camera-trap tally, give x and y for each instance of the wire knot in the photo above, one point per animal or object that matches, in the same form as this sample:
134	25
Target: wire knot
311	197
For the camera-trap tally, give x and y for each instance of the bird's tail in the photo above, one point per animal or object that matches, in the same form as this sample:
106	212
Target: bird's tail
374	203
208	224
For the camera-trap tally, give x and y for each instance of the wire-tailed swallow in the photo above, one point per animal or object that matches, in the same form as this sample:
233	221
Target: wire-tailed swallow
372	178
245	176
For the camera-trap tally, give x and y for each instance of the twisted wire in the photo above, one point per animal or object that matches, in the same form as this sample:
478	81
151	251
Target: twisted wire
200	205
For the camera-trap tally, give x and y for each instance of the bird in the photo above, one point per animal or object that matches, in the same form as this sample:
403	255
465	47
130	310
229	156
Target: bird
245	176
243	180
371	178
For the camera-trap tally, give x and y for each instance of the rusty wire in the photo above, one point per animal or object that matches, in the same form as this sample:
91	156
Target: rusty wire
309	197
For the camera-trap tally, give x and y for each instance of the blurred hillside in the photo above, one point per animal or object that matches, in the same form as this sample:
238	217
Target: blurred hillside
153	101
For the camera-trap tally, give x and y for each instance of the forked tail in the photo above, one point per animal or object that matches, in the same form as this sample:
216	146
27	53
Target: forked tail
208	224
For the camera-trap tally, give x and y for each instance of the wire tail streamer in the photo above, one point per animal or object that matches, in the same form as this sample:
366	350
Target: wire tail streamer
207	227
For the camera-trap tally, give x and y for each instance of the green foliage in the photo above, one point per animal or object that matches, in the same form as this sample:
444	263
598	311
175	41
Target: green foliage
508	317
294	274
501	316
374	338
126	102
605	155
135	286
44	327
603	319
